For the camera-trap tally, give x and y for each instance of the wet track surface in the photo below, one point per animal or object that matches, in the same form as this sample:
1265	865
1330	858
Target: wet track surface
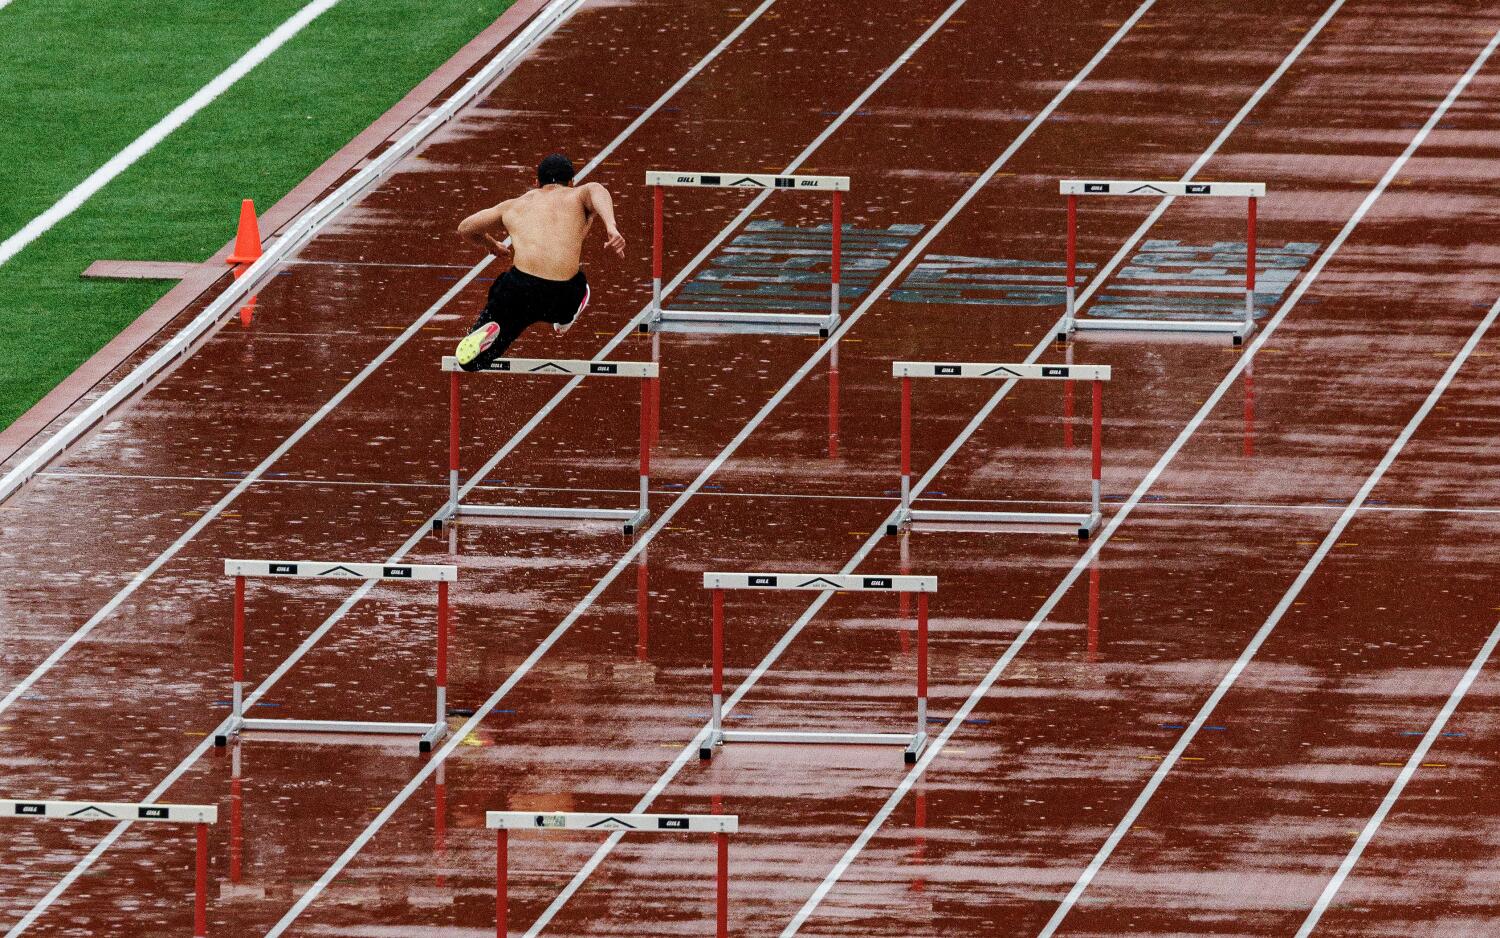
1238	837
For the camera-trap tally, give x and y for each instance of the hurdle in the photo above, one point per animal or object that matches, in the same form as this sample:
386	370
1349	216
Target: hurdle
242	570
503	822
657	319
1252	192
630	518
198	815
912	743
906	515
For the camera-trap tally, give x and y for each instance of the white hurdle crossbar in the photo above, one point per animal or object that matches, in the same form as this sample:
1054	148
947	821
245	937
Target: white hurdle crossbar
241	570
631	519
906	515
199	815
913	743
659	319
720	825
1237	331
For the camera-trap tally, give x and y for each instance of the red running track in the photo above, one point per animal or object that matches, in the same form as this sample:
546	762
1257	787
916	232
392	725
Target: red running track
1245	828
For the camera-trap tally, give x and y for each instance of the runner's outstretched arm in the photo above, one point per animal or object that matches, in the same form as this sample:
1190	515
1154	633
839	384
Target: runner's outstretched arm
600	203
480	227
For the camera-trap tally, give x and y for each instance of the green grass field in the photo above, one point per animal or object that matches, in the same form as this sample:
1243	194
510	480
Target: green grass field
80	79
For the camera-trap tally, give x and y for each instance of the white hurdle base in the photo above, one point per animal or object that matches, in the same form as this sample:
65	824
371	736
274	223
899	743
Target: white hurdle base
913	743
630	519
1084	524
680	320
430	733
1237	331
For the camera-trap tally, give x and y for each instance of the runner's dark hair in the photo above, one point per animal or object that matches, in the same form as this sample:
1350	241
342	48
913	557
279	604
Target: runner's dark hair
555	168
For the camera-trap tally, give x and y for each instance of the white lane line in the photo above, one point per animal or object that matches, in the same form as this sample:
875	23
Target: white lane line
1334	506
1099	279
689	752
1091	554
223	503
1418	756
260	470
624	562
172	777
83	631
1171	760
304	262
147	141
983	415
1099	276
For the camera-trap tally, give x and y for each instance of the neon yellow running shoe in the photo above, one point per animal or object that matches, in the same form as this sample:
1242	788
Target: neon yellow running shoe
475	343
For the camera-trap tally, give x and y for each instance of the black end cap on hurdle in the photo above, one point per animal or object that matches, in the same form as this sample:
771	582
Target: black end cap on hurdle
910	757
1237	340
705	753
891	530
220	740
424	746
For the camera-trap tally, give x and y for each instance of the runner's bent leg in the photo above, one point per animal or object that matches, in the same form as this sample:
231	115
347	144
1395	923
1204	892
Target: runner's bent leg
507	313
572	298
511	326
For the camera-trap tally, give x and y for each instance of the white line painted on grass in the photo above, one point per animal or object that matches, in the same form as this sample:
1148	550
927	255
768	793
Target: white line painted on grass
1410	769
1233	675
147	141
302	230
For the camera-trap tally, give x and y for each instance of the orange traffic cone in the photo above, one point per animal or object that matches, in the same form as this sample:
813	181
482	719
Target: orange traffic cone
247	240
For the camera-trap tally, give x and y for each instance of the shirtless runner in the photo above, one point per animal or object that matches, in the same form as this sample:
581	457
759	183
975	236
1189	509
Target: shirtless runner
547	226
